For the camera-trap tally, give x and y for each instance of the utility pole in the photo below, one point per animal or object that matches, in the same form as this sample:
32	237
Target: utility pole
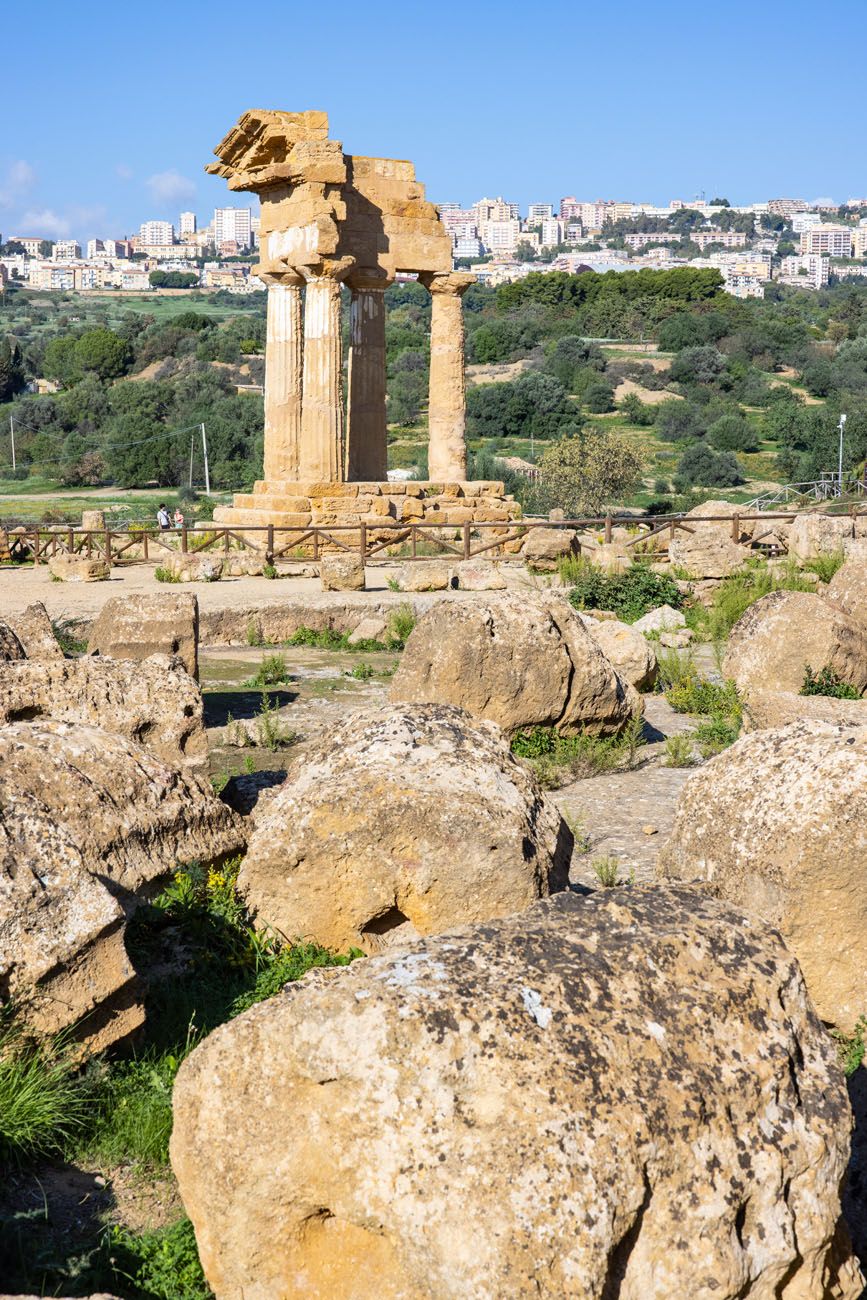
841	426
192	435
12	434
205	454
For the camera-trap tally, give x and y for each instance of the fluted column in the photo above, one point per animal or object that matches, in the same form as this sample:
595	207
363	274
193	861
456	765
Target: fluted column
283	375
447	448
322	442
366	439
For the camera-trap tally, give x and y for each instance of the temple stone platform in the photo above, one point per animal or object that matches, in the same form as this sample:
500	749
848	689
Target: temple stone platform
328	504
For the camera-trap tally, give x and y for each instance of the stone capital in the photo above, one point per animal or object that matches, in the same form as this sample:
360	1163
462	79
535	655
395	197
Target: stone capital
329	268
453	283
273	273
368	278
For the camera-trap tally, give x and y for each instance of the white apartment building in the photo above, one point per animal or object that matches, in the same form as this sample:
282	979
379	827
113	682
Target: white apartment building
95	248
787	207
66	250
744	286
468	246
835	241
551	232
30	243
539	212
728	238
500	236
135	280
187	224
156	232
233	226
570	208
859	240
574	233
51	275
810	270
802	221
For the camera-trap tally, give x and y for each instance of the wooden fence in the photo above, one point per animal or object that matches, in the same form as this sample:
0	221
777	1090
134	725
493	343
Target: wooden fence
466	541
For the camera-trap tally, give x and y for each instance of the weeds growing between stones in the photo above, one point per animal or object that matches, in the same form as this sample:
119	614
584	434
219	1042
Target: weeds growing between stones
558	759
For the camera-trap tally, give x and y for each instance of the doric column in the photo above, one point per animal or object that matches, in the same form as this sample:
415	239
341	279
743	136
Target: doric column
447	448
283	375
366	440
322	443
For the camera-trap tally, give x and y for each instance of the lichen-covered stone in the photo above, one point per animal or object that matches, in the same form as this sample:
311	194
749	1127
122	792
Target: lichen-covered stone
778	825
627	1094
517	660
33	629
88	822
78	568
342	572
848	588
813	535
544	548
136	627
11	648
195	566
405	820
154	703
763	709
782	634
632	655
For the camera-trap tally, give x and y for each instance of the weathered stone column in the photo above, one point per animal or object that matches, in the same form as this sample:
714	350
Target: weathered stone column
366	440
447	448
283	375
322	444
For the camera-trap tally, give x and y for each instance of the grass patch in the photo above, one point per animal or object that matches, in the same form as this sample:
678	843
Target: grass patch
42	1103
736	593
399	625
678	751
825	566
851	1048
558	759
826	682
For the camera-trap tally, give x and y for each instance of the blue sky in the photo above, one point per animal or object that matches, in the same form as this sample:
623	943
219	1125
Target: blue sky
111	115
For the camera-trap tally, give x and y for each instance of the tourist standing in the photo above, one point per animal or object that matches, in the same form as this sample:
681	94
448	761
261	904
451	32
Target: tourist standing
163	518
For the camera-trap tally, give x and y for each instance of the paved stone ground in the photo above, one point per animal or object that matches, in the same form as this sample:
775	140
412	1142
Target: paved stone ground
612	810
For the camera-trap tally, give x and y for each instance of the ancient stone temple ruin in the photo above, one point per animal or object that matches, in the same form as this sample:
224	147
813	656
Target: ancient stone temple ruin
329	219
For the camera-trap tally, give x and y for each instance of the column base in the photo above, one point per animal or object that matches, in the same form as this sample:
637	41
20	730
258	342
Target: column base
380	506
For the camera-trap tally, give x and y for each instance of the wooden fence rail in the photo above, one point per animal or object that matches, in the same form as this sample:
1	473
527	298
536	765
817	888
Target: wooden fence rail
466	541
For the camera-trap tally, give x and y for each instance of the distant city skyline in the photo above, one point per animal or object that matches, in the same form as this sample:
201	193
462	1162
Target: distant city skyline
108	126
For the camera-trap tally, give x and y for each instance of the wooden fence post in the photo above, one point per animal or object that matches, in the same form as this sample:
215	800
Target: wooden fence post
70	541
184	540
269	545
736	528
467	551
108	546
607	530
145	537
36	548
362	541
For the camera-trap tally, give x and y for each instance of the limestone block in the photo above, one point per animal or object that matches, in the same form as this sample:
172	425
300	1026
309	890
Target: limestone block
778	824
93	520
517	660
813	535
342	572
425	575
621	1095
33	629
369	629
780	635
136	627
544	548
91	823
195	567
76	568
632	655
661	619
356	849
479	575
764	709
848	588
412	508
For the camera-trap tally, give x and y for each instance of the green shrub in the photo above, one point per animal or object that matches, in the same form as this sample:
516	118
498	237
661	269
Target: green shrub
630	594
851	1048
400	624
678	751
160	1265
130	1114
606	871
272	671
271	731
162	574
362	672
269	571
718	704
254	635
715	734
41	1099
826	682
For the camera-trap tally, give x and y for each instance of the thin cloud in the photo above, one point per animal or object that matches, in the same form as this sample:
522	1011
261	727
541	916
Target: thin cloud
18	178
170	187
45	221
125	173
